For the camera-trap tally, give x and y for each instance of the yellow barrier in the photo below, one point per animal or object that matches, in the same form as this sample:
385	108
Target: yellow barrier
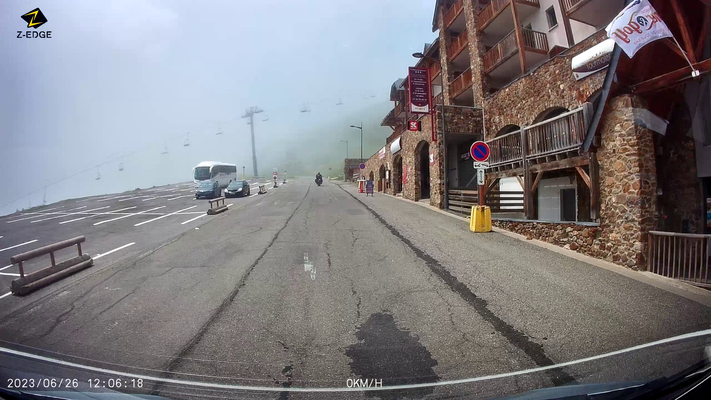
480	219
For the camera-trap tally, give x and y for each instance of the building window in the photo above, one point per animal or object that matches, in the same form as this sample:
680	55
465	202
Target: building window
552	20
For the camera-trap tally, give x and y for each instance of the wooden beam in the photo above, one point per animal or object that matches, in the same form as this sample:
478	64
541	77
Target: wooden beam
508	173
566	25
493	182
595	189
562	164
520	180
671	79
704	33
684	28
585	177
534	187
519	36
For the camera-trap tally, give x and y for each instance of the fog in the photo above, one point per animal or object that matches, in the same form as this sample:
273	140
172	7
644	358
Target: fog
123	81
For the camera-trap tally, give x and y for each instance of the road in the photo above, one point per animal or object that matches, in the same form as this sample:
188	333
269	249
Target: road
308	287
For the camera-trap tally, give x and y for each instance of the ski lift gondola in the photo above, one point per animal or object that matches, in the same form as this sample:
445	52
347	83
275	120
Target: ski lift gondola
265	119
219	129
121	166
340	103
165	149
305	108
98	174
186	143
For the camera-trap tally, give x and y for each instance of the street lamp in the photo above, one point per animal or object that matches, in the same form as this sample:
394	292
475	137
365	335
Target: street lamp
444	137
361	139
346	142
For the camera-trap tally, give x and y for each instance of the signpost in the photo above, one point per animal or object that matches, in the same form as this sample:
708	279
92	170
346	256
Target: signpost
361	166
480	152
419	82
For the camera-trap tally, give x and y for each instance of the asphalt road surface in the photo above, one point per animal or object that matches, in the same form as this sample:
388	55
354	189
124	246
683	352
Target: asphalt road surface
314	287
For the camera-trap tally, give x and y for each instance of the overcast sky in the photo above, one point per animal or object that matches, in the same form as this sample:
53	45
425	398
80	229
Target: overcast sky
130	78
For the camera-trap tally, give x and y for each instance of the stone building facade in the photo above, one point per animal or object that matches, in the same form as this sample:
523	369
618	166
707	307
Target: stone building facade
631	181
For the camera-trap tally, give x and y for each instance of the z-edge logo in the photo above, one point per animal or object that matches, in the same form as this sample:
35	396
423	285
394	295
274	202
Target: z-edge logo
35	18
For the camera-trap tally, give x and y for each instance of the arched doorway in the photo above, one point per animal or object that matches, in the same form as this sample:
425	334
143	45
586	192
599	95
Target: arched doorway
381	178
550	113
397	174
422	169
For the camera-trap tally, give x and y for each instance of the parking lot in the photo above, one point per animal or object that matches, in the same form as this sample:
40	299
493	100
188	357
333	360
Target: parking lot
115	226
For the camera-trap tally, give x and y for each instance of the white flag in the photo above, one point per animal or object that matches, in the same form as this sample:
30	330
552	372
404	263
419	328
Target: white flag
637	25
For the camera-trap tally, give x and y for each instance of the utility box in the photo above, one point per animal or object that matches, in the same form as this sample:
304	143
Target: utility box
480	219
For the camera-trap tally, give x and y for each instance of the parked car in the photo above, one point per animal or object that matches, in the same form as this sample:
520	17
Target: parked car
237	188
207	189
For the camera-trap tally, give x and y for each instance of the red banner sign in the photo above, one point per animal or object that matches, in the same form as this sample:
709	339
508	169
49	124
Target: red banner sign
419	83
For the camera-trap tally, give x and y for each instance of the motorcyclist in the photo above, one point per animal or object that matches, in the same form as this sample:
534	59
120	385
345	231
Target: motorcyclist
318	176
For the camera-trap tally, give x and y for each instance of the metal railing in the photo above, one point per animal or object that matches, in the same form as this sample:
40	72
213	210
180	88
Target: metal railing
453	12
457	45
680	256
552	136
570	4
461	83
532	40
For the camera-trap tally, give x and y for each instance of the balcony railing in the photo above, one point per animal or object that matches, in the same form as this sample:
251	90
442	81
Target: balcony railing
453	13
399	108
434	70
461	83
532	40
458	44
488	13
554	136
570	4
437	100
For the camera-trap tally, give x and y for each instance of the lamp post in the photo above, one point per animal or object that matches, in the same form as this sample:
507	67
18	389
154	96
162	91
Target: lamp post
346	142
361	139
445	203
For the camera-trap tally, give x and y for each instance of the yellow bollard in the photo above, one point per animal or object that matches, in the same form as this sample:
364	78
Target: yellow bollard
480	220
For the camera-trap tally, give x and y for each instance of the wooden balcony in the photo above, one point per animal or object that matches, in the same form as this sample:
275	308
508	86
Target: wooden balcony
457	45
540	142
400	109
487	14
532	41
461	83
437	100
592	12
434	70
453	13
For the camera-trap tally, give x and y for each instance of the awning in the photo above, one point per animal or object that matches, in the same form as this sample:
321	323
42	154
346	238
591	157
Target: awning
395	146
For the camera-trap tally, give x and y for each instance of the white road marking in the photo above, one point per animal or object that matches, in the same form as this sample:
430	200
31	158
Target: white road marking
66	215
114	198
114	250
9	274
5	295
34	216
161	217
193	219
150	198
252	195
126	216
179	197
129	198
6	267
49	209
89	216
18	245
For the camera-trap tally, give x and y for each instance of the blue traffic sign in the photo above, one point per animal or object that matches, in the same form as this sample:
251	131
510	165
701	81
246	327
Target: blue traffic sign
480	151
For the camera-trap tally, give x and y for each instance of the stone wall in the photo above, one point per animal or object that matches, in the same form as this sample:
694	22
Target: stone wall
476	52
581	238
628	186
550	85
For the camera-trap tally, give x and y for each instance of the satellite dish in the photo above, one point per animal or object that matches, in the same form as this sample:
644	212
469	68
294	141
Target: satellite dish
186	143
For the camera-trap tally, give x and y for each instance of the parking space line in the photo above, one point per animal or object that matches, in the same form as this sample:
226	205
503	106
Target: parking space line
6	267
252	195
193	219
66	215
88	216
129	198
96	257
9	274
18	245
48	209
114	198
163	216
128	215
34	216
150	198
5	295
179	197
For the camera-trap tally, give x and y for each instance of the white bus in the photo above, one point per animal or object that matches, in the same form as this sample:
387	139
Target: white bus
215	171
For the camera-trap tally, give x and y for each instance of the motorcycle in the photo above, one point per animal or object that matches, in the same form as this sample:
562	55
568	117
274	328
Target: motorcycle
319	181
